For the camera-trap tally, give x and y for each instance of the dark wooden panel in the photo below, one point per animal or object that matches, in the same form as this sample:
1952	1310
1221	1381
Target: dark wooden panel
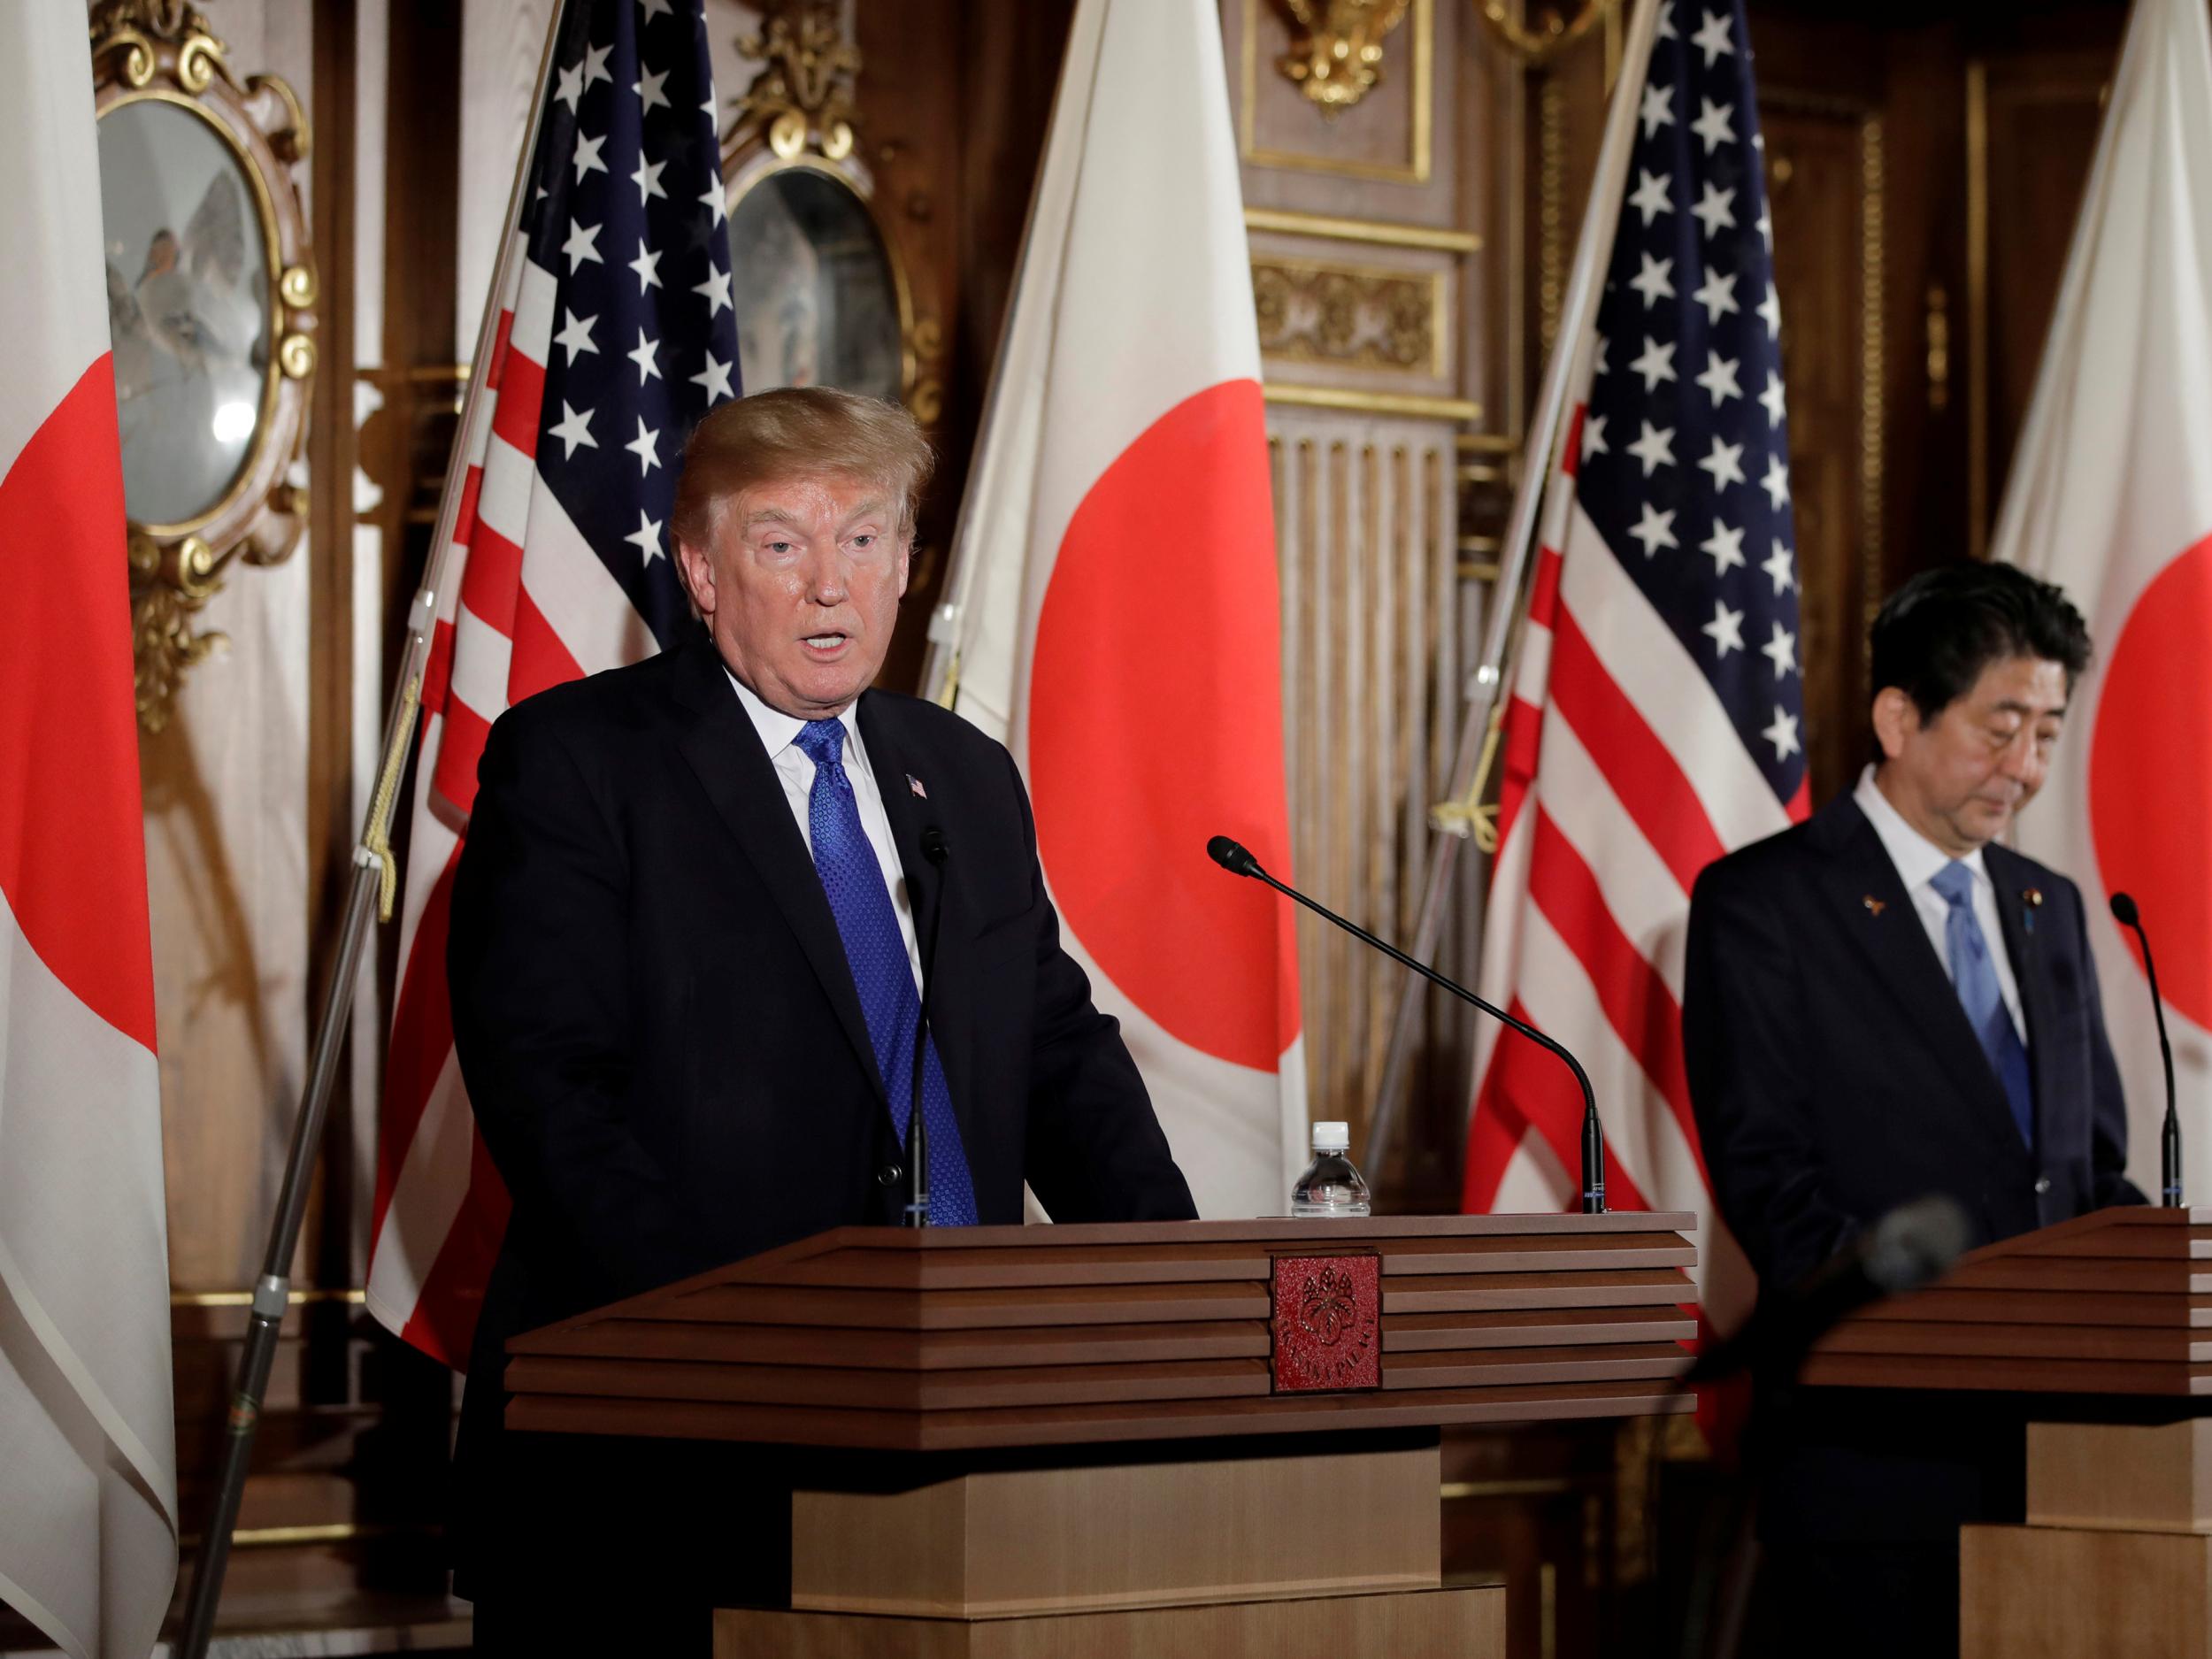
959	1430
952	1309
2112	1276
1550	1327
2003	1375
1539	1253
921	1350
2045	1341
1483	1368
2121	1241
1480	1292
985	1269
1816	182
2018	1307
887	1390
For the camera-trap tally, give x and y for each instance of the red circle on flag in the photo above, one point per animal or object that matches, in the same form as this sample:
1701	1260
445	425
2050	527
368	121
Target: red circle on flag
1155	722
2150	785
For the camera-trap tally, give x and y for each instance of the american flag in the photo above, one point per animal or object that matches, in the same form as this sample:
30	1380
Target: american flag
1655	719
616	334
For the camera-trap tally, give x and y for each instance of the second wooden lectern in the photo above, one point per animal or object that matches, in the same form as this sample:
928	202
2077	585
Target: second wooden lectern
1206	1438
2097	1331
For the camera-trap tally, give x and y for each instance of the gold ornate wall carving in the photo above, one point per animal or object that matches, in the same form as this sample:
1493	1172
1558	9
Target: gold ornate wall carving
1336	57
1315	312
1325	151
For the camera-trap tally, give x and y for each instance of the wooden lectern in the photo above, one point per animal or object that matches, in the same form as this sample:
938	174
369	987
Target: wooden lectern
2109	1319
1204	1438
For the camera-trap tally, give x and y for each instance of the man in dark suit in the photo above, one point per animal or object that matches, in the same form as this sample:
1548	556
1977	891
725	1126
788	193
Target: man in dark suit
1881	1003
689	932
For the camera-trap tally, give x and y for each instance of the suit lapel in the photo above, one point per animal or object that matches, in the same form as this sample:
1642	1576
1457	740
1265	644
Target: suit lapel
933	895
1896	946
724	751
2016	918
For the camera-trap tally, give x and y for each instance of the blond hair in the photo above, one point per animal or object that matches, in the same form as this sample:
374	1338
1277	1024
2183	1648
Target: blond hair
798	432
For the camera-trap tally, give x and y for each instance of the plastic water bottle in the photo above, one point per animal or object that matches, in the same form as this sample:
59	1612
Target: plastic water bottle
1331	1186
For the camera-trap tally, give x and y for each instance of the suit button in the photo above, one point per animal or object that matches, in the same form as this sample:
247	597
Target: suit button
891	1174
2042	1184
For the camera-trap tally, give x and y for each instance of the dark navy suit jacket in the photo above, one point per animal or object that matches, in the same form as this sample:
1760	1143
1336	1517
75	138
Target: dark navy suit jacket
659	1030
1832	1069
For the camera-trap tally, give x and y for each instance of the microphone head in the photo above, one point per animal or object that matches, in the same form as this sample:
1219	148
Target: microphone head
2124	910
933	845
1232	857
1916	1244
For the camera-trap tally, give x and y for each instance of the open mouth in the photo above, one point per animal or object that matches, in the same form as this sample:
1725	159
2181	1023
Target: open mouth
826	646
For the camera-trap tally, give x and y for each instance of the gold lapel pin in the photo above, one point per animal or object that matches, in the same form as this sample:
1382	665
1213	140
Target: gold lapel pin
1874	906
2033	896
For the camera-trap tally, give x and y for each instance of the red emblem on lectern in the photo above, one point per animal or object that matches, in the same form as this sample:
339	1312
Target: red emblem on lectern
1327	1323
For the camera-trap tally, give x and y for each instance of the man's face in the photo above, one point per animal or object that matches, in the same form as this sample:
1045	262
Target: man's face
1959	777
801	588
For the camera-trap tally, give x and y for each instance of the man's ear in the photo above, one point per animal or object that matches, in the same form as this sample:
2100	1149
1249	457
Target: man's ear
906	557
1895	719
695	571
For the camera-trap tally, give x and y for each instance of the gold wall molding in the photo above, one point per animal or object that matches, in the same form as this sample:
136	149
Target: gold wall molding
244	1298
802	94
1335	57
1939	341
1378	233
1555	35
1420	151
1976	307
1314	312
1354	400
1551	207
151	57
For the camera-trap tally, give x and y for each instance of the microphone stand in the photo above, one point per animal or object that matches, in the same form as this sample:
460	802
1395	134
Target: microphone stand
2124	912
933	848
1237	861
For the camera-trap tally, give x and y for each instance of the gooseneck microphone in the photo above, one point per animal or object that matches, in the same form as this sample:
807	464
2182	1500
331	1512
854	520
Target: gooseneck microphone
933	848
1237	861
2123	912
1902	1251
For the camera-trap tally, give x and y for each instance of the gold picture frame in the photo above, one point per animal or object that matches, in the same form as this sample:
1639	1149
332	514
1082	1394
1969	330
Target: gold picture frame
214	338
792	166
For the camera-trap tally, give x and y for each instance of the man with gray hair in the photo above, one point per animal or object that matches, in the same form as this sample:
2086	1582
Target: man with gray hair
687	968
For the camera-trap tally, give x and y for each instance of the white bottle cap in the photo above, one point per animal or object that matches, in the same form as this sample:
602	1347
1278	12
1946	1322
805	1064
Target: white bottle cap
1331	1137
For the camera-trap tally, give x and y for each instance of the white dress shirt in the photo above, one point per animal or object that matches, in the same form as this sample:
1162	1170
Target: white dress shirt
1918	862
779	733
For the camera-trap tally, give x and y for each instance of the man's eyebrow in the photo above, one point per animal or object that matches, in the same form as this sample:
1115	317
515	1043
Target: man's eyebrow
770	515
2012	705
875	508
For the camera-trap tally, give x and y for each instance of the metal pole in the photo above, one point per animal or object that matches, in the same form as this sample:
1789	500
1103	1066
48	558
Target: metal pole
371	894
1592	252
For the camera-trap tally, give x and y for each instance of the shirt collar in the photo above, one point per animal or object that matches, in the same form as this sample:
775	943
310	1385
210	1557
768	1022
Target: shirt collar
778	729
1919	859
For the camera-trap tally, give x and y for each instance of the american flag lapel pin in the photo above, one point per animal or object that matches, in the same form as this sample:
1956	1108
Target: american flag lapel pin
915	784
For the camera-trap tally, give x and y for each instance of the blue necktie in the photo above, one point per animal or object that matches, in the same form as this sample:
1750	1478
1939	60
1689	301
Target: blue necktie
1975	976
860	899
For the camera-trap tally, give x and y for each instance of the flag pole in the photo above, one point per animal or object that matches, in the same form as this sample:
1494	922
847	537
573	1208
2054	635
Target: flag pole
375	883
1457	817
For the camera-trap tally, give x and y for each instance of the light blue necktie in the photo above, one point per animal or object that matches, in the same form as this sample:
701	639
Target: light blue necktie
1975	977
860	898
